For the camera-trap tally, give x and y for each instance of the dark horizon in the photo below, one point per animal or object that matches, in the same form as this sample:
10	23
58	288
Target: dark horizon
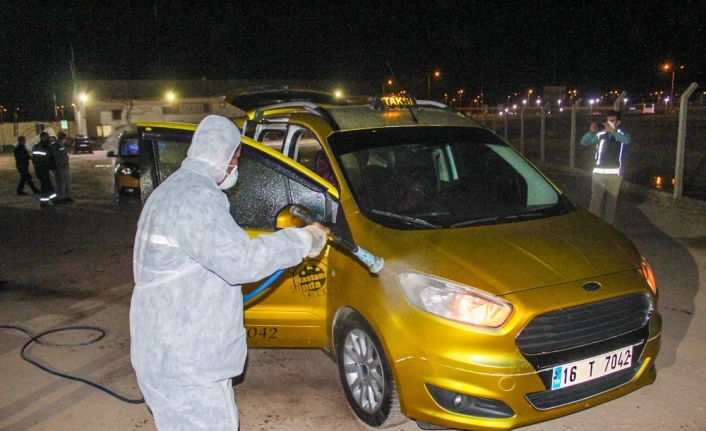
480	47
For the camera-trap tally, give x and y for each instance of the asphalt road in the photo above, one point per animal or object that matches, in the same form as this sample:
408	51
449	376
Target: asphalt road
71	265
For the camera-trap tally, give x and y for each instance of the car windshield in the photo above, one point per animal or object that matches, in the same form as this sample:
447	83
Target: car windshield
441	177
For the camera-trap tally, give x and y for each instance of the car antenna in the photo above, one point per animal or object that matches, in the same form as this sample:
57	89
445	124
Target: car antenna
411	111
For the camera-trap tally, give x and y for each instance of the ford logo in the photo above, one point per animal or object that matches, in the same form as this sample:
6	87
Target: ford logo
591	286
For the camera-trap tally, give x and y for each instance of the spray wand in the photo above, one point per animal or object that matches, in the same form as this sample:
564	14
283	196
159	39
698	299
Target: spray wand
373	262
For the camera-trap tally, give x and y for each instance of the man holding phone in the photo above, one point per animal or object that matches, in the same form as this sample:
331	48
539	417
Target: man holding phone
611	142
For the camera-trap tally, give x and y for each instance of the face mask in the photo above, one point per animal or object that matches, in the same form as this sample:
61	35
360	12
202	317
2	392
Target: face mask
230	180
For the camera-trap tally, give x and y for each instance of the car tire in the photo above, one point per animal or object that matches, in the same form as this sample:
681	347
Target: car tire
366	376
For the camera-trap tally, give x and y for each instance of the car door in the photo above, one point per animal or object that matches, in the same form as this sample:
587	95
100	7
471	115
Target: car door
292	313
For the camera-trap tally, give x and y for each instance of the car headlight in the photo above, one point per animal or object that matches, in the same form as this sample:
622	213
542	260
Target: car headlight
648	274
454	301
125	170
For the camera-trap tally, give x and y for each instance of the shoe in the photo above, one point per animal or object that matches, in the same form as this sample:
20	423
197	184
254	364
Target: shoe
21	193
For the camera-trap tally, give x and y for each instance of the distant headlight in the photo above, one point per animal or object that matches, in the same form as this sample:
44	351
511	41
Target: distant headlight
454	301
125	170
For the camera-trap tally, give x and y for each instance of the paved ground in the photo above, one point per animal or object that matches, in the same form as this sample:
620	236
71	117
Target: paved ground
71	265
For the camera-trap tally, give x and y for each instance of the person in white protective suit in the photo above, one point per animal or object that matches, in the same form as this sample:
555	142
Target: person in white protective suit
190	260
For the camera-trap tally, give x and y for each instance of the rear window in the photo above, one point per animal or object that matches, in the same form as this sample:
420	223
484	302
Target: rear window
129	147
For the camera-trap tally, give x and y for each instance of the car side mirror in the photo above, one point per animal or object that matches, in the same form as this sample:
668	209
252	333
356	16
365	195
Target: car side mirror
111	153
285	218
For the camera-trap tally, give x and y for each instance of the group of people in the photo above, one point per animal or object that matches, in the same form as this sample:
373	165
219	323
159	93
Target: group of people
47	157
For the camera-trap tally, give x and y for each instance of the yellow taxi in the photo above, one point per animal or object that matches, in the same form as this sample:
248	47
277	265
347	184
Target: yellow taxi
499	304
126	171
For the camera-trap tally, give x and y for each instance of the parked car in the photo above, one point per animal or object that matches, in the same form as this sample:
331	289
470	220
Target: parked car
82	144
500	303
126	171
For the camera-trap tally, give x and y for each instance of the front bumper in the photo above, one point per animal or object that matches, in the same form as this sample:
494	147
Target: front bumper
500	379
502	397
128	185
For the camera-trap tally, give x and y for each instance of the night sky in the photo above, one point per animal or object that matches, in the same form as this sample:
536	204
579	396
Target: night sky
494	47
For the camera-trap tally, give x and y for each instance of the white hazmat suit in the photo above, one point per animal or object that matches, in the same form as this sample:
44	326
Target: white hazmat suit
190	258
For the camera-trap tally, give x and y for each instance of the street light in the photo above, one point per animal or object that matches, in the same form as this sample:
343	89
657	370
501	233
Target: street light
436	74
460	98
388	82
667	67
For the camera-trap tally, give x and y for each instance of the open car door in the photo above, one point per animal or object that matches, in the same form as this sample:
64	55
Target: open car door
292	313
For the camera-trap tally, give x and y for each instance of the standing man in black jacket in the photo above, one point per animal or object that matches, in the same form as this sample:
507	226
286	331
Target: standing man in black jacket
43	162
22	164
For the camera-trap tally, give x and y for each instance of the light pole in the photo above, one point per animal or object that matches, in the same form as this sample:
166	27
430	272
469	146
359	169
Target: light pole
667	67
80	114
460	98
436	74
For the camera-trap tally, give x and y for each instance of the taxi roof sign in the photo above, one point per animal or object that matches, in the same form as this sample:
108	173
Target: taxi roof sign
393	101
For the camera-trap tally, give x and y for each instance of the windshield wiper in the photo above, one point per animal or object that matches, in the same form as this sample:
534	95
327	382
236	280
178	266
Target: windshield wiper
413	220
474	221
519	216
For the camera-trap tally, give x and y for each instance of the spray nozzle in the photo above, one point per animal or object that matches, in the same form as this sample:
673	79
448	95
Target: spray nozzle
373	262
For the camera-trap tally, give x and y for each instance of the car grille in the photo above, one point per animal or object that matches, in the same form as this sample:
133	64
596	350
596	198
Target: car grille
585	324
581	332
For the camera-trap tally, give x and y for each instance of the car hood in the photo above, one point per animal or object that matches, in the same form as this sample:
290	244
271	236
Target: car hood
502	259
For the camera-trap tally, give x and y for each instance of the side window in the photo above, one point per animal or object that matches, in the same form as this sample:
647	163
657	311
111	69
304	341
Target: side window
264	187
170	154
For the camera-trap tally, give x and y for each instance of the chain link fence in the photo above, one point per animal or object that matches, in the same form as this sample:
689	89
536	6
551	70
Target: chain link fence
652	154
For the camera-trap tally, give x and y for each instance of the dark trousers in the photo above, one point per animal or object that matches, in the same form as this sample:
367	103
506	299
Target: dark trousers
46	191
26	178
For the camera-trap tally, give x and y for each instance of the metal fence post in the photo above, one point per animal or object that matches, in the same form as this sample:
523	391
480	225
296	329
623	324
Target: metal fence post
618	101
505	114
681	141
543	132
572	145
522	130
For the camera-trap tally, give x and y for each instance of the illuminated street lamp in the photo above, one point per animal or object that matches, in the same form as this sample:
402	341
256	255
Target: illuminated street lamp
436	74
591	102
667	67
529	95
170	96
388	82
460	98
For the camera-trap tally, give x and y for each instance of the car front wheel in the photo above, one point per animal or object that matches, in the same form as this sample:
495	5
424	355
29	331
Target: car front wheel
366	376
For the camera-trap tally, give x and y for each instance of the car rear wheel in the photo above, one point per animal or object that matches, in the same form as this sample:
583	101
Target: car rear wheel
366	376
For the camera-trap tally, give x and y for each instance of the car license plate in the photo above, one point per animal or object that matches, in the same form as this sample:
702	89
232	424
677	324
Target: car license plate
593	368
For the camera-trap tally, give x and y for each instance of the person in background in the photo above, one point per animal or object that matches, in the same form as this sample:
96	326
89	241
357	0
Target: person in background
62	173
43	161
611	142
22	159
189	263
